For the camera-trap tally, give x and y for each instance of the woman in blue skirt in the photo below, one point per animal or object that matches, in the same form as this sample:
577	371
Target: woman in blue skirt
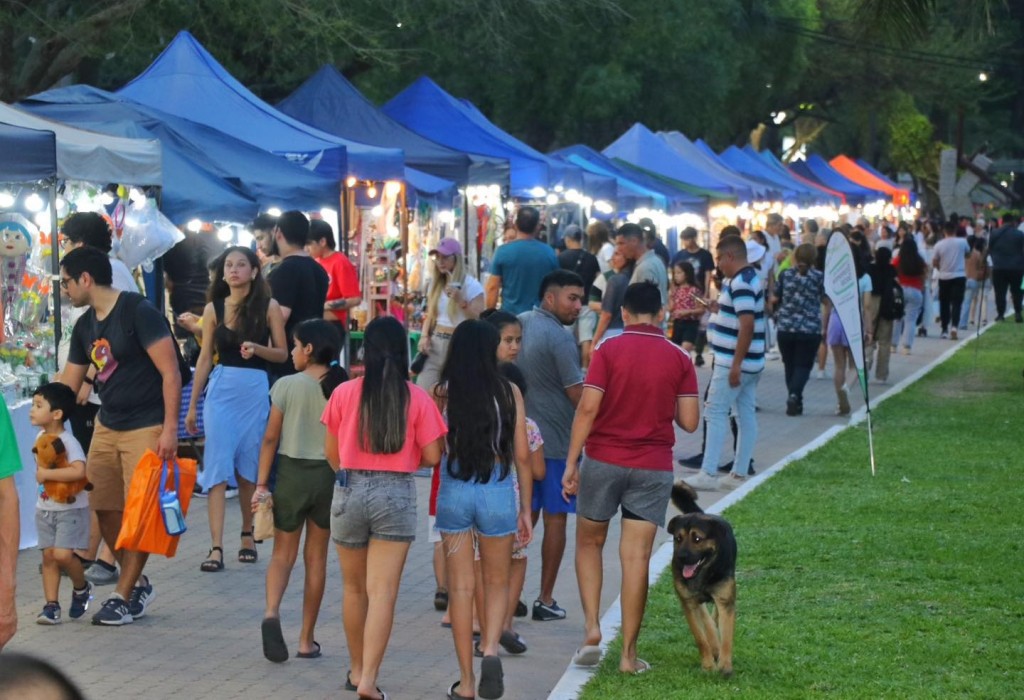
247	329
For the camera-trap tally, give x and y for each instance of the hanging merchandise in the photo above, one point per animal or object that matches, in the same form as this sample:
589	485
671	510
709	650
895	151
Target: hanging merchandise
146	234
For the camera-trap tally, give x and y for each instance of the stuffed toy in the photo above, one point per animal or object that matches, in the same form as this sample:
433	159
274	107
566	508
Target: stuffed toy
15	246
51	454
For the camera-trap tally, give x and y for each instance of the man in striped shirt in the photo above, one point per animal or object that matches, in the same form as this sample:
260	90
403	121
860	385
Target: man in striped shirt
737	337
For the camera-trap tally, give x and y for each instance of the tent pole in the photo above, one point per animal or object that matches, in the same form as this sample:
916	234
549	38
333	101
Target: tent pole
403	218
55	287
343	218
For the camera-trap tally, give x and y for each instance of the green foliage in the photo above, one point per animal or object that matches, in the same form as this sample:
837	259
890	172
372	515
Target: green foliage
902	585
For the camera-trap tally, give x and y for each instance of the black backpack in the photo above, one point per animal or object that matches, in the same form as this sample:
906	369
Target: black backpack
892	304
131	304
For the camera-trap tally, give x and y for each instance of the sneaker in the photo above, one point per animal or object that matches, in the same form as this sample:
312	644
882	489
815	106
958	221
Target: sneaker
953	335
50	615
230	493
80	601
944	335
101	575
114	613
693	462
922	332
793	407
844	402
727	467
904	350
822	374
703	482
547	613
521	609
730	481
699	360
140	599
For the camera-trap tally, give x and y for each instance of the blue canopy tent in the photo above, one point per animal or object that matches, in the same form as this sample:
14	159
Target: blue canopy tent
331	103
265	180
742	187
792	189
769	159
429	111
30	155
188	82
641	147
817	169
636	184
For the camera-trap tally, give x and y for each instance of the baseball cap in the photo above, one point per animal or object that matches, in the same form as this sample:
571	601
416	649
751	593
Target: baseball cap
446	247
647	225
755	251
574	232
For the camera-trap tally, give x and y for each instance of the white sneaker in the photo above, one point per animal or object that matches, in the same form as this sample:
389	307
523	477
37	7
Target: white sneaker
822	374
703	482
230	493
730	481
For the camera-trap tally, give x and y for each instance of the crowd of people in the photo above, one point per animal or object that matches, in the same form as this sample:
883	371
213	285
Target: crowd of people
551	391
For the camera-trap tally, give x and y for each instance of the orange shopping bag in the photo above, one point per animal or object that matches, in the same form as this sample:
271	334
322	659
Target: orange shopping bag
142	528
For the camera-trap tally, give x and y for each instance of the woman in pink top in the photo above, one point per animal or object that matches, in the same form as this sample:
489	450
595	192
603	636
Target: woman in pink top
380	429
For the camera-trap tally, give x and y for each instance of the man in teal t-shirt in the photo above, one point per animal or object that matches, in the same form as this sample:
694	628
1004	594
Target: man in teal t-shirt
519	266
10	526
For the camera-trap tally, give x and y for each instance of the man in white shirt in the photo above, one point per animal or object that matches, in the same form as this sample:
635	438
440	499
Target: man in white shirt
948	259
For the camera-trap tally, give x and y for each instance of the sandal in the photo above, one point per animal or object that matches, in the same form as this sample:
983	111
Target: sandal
441	600
492	679
274	648
315	654
248	555
212	564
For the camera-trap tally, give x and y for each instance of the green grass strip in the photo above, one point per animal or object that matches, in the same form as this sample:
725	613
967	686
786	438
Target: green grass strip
906	585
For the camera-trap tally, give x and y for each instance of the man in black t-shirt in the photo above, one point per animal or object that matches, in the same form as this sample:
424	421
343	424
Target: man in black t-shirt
129	343
703	267
186	267
299	283
575	259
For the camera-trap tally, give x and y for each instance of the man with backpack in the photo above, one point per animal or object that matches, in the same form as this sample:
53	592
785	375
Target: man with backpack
138	377
882	312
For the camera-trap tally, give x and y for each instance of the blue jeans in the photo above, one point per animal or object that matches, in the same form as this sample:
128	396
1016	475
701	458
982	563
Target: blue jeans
489	508
912	301
721	398
970	291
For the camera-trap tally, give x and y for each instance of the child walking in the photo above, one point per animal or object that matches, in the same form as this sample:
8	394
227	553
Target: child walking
62	522
684	307
305	482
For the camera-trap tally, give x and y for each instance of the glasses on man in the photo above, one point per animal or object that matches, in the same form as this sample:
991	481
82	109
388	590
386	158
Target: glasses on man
64	282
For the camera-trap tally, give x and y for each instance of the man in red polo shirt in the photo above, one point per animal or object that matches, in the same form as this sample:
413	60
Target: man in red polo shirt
638	384
343	288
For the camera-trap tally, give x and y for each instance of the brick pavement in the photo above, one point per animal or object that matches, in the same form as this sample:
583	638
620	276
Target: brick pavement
201	638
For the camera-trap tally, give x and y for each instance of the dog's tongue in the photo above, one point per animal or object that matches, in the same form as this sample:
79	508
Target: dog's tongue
689	570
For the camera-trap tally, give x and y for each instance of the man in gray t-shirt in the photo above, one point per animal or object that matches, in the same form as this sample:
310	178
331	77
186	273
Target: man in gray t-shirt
550	361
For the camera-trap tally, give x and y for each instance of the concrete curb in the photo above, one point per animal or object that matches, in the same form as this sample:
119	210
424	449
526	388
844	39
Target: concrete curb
575	677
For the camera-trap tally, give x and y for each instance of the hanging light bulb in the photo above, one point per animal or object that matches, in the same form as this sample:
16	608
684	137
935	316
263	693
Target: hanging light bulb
274	211
225	234
371	192
6	200
350	181
194	225
391	188
33	202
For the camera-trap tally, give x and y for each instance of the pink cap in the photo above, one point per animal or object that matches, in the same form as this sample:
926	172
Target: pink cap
446	247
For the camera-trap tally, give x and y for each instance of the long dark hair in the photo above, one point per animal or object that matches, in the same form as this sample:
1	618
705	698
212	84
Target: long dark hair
911	264
251	318
326	343
481	405
385	398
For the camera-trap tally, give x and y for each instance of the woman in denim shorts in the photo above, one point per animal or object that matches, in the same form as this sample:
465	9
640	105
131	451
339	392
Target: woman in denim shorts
380	429
486	441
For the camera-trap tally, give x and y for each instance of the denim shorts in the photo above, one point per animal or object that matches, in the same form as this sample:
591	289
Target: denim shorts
489	508
375	504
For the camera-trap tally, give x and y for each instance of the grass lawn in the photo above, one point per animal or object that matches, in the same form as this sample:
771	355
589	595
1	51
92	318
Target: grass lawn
906	585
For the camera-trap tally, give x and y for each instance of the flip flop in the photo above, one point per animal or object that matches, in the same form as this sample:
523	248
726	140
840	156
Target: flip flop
274	648
452	695
512	643
641	667
383	696
492	679
349	685
315	654
587	655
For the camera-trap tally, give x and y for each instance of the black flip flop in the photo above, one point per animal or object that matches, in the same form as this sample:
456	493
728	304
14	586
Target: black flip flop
383	695
452	695
274	648
315	654
492	679
349	685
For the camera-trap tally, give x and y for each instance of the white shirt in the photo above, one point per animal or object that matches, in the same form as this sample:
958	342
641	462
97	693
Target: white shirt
471	289
74	454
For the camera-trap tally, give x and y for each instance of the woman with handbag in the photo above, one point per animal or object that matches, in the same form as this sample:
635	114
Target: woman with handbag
452	297
247	330
380	429
302	494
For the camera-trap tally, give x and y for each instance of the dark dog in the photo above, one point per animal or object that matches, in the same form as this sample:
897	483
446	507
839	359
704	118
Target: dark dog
704	571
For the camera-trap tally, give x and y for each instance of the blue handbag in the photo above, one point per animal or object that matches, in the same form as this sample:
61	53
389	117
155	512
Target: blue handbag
170	506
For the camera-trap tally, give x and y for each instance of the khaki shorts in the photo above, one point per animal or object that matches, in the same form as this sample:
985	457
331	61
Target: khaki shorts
113	456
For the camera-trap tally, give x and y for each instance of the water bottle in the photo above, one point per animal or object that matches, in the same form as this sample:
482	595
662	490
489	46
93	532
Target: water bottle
170	507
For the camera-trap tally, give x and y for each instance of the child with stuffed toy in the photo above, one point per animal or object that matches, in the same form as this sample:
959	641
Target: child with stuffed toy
62	509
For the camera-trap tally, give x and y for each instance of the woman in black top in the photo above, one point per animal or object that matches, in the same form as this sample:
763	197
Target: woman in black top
247	329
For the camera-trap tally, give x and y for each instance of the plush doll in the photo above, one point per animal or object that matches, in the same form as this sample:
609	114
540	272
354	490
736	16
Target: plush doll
15	245
51	454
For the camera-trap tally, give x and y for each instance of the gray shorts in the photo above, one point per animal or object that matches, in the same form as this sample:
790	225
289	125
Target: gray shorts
375	504
642	493
63	529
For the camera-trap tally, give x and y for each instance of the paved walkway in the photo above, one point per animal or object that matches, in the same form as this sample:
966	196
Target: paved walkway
201	638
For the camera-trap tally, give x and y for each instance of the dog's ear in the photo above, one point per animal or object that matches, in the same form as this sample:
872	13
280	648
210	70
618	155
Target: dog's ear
58	446
674	524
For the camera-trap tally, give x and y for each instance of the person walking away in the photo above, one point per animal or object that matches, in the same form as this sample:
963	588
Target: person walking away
62	523
302	495
881	314
912	276
248	336
685	309
380	428
1006	249
551	364
299	284
343	291
129	343
477	495
518	267
453	296
798	294
737	334
976	268
948	259
637	387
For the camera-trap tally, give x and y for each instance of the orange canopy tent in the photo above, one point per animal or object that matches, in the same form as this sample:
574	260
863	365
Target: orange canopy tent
850	170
